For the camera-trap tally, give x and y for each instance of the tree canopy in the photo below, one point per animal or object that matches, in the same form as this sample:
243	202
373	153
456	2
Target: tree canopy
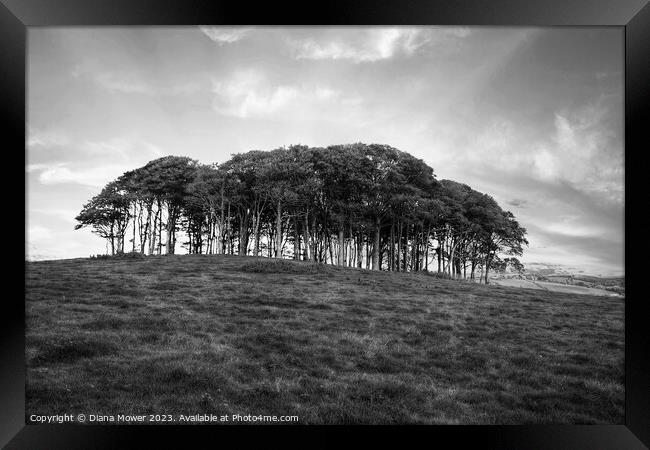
361	205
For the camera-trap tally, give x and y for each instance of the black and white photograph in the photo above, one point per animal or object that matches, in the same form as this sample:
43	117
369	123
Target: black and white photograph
315	225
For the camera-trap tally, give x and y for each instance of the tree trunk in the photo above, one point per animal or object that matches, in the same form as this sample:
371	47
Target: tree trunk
170	225
143	236
278	231
173	228
112	240
391	247
243	233
227	237
368	253
452	267
208	243
375	249
405	249
350	247
359	251
399	245
425	255
313	235
330	245
222	230
134	213
307	240
153	234
341	255
190	239
296	239
414	251
160	229
256	234
216	229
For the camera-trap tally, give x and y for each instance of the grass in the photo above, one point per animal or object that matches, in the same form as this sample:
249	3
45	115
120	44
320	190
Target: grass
240	335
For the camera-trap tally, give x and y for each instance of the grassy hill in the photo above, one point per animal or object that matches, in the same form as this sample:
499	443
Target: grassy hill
242	335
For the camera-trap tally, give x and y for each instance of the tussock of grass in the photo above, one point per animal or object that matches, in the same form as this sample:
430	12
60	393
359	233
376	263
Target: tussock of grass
226	335
269	265
125	255
442	275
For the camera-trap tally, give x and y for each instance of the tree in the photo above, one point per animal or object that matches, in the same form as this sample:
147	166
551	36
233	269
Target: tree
108	214
515	265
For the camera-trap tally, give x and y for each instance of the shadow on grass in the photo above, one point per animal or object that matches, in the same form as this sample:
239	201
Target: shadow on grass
57	350
71	350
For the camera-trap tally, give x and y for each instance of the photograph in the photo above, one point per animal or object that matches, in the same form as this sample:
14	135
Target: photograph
324	225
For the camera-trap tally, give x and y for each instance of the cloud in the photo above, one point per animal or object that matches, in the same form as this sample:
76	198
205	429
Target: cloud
371	44
497	144
565	224
123	148
128	149
461	32
93	176
38	232
586	150
593	251
66	215
225	35
131	82
45	243
124	82
574	260
575	226
582	148
46	139
86	162
35	167
518	203
250	94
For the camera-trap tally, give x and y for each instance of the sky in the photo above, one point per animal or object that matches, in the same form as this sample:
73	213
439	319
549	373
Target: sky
531	116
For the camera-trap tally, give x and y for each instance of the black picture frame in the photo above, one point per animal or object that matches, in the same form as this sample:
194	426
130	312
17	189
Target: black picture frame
632	15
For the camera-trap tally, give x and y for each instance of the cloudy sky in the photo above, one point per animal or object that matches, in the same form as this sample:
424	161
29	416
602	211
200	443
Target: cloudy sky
531	116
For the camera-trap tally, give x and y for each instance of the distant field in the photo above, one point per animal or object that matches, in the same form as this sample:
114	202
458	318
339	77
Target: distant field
225	335
553	287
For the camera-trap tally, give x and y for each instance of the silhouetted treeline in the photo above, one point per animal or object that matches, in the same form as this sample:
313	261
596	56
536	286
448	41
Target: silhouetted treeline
358	205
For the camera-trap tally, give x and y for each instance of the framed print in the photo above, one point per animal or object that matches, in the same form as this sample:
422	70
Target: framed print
366	214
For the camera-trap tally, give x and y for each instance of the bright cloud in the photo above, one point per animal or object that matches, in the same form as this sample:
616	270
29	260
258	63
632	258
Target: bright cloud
250	94
67	243
225	35
584	151
35	167
39	232
367	45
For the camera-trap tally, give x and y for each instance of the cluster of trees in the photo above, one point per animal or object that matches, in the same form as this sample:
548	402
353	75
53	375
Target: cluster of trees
358	205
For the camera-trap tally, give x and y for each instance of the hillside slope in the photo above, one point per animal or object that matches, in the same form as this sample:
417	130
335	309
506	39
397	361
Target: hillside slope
242	335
